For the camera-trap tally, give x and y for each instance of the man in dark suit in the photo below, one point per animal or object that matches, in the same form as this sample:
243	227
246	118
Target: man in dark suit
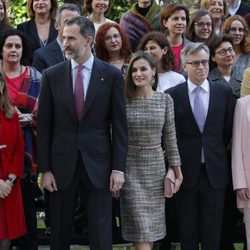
82	137
203	118
52	53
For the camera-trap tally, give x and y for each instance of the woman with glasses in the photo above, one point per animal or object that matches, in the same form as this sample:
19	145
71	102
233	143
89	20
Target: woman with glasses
112	46
218	10
237	28
156	44
200	28
174	18
222	55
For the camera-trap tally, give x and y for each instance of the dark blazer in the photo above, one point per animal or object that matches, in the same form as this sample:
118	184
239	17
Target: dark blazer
29	28
101	135
243	9
47	56
214	139
234	82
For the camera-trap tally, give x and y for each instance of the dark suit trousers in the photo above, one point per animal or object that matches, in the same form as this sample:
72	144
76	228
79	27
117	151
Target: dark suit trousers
200	213
98	209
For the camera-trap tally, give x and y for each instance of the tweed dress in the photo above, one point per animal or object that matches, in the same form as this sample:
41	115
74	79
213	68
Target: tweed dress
151	128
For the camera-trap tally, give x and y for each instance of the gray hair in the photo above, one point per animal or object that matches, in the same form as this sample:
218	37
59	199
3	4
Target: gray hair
86	26
192	48
66	6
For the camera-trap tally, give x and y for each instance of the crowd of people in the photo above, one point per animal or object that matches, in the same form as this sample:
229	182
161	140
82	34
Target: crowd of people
106	111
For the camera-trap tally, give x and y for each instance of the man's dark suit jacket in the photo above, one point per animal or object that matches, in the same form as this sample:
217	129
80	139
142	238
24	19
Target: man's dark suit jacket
47	56
60	136
29	28
214	139
243	9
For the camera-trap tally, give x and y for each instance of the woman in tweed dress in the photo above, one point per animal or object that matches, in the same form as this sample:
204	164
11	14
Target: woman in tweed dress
151	131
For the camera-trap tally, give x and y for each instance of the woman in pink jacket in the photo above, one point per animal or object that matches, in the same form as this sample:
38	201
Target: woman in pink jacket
241	159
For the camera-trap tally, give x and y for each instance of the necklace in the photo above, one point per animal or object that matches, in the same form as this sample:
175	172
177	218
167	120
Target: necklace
116	62
20	71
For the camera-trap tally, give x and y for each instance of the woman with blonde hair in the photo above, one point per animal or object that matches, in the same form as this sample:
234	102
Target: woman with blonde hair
218	10
41	27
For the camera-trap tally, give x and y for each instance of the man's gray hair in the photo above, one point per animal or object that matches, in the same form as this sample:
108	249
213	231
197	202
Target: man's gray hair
66	6
192	48
86	25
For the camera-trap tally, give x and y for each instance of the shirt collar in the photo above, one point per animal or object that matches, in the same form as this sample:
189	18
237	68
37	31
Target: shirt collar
88	64
192	86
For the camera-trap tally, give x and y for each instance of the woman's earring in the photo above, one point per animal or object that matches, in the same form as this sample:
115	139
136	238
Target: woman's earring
152	82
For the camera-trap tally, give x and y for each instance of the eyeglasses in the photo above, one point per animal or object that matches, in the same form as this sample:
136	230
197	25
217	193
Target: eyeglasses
202	25
223	52
196	64
109	38
234	29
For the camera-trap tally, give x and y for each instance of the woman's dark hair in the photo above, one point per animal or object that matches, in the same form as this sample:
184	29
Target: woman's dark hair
169	10
101	51
130	86
32	13
167	61
5	22
15	32
196	16
217	41
87	6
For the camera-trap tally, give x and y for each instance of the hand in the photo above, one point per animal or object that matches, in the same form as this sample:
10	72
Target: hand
178	178
5	189
243	194
48	181
116	182
25	119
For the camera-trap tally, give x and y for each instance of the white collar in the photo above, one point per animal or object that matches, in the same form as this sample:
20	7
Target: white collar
88	64
192	86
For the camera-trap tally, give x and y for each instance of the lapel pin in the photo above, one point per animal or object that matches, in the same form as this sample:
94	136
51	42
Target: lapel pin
102	79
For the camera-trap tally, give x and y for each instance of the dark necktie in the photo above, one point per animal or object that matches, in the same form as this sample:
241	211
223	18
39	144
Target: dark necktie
79	92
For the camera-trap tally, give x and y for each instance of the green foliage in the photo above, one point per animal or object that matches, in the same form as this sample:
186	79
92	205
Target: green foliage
18	13
118	8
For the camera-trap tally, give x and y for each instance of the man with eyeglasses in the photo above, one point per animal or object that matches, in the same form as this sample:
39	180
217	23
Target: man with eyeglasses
203	118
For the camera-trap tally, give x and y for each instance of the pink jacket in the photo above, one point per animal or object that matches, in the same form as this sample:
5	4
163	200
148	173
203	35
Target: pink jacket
241	148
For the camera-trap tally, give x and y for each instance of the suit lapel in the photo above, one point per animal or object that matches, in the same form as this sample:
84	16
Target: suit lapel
33	31
68	93
96	80
187	104
212	103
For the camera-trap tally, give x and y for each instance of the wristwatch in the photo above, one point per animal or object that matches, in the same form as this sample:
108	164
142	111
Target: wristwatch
12	180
